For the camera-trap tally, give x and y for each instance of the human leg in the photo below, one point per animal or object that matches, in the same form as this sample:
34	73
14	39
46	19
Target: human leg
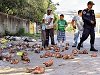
52	36
76	35
47	37
85	35
92	40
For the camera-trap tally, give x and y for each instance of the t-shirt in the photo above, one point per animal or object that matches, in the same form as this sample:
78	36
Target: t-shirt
43	26
79	22
61	25
47	19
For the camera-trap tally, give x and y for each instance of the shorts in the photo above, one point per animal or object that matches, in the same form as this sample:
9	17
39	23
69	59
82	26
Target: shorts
61	35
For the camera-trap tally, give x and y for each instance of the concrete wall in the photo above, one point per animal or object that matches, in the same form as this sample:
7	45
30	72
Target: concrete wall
12	23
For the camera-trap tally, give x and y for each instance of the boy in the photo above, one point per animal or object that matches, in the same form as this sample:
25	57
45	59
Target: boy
43	34
61	29
77	23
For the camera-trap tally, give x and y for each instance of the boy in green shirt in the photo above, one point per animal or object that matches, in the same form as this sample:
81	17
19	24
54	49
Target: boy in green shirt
61	29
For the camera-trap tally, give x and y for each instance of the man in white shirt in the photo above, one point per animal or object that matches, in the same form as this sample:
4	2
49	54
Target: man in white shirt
48	18
77	24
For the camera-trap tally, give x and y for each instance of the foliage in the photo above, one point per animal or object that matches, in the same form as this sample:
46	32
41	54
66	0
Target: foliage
27	9
21	32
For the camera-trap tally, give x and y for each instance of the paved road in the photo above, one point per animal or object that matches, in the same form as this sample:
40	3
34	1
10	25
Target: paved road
81	65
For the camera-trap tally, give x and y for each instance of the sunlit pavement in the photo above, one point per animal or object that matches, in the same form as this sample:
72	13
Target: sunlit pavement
81	65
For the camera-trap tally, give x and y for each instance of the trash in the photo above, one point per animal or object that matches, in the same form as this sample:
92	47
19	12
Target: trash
83	52
25	58
58	55
19	53
68	56
36	70
3	40
14	61
94	55
48	63
75	52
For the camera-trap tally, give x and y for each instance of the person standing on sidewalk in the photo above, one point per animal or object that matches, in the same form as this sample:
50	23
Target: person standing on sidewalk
61	29
49	17
89	26
77	24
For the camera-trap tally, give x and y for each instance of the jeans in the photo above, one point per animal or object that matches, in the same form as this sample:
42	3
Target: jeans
43	37
76	35
61	36
86	33
50	32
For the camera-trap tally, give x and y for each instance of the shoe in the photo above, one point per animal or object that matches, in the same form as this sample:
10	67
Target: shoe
78	47
93	49
73	45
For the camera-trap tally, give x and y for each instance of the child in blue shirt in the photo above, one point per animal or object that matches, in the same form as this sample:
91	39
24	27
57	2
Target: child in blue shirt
43	33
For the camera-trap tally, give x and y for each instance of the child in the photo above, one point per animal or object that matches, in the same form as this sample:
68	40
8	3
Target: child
43	34
61	29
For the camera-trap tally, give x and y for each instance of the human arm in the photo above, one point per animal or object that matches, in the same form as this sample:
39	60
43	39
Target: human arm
73	24
85	18
66	24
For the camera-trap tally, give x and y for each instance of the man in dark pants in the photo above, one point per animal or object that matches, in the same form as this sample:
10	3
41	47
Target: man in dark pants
48	18
89	25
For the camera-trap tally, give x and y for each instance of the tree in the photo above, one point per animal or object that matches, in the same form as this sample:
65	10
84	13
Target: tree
27	9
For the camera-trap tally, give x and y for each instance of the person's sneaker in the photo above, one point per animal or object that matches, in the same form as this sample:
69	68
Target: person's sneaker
74	45
93	49
78	47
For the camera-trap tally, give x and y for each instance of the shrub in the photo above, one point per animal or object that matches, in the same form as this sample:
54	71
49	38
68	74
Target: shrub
21	32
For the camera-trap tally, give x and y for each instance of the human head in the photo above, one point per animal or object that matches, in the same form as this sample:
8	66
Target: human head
80	12
61	16
49	10
90	4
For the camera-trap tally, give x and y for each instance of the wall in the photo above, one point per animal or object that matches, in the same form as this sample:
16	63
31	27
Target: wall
12	23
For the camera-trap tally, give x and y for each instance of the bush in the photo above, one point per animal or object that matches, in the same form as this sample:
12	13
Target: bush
21	32
7	33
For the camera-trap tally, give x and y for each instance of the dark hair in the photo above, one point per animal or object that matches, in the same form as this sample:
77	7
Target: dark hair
90	3
62	15
79	11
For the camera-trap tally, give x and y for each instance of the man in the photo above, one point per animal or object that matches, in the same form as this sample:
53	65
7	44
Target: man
77	24
48	18
89	25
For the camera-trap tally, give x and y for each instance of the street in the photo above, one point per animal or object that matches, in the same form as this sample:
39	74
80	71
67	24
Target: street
83	64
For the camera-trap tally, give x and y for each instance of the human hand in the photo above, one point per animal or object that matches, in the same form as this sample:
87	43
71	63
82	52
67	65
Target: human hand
74	27
92	22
